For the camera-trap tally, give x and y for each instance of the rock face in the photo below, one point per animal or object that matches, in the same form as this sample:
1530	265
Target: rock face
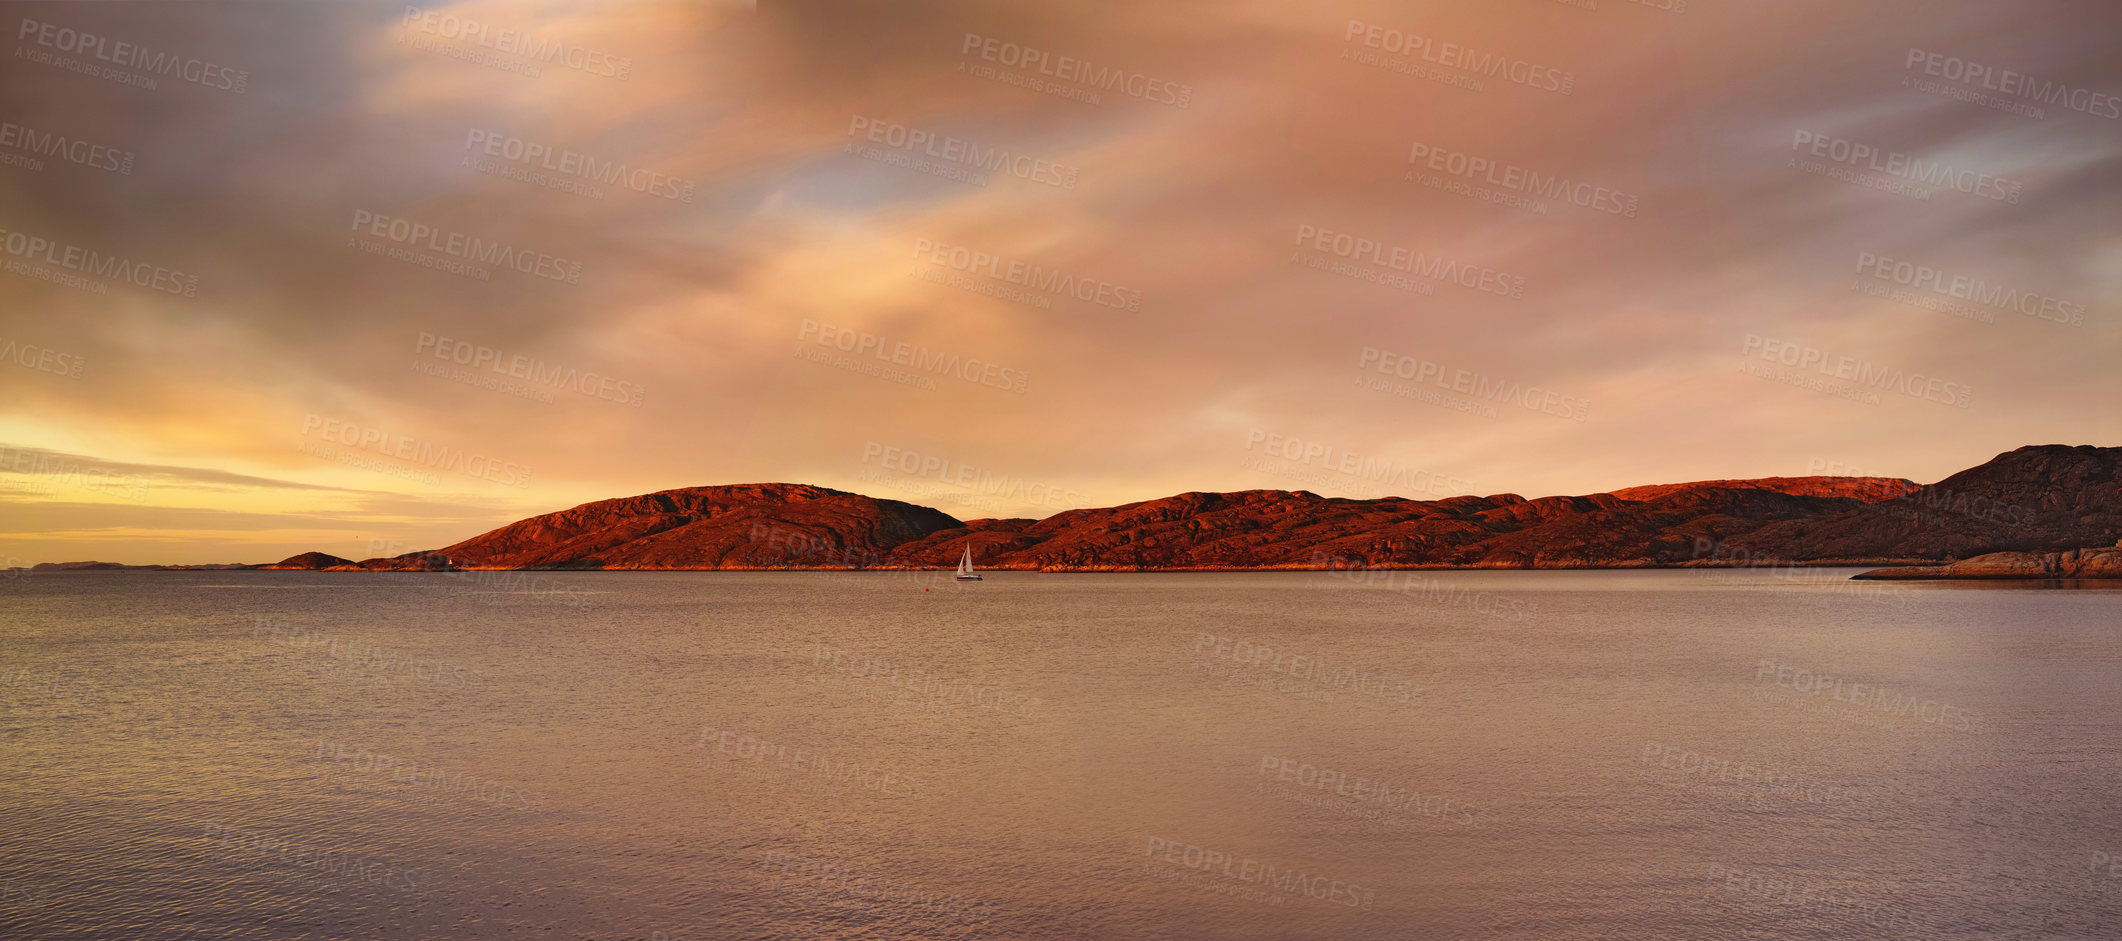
2073	563
2037	499
308	561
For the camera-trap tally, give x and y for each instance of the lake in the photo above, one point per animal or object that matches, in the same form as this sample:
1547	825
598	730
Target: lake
1464	755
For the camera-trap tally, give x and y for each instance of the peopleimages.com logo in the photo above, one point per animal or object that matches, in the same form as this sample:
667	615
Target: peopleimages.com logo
1883	700
1914	169
1080	71
2009	82
1023	274
516	42
420	453
465	248
1510	176
531	369
1409	261
1961	287
1263	874
573	166
40	250
1479	386
920	359
1365	790
965	153
1863	372
1462	57
73	150
132	55
42	359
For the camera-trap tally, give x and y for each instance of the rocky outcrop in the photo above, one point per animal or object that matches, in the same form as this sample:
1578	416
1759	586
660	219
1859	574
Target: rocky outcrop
308	562
2072	563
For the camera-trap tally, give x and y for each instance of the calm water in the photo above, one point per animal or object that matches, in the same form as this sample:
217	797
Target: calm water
1467	755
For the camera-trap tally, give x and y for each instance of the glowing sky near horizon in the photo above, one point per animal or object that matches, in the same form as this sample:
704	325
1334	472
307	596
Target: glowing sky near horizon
1003	259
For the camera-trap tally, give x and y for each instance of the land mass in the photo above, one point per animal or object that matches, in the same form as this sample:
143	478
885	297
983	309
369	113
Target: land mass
2072	563
2041	500
122	567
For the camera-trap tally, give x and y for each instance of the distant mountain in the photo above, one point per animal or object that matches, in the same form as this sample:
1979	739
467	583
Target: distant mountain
51	567
2042	498
308	561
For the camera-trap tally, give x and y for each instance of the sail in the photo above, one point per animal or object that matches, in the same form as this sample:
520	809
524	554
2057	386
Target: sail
965	565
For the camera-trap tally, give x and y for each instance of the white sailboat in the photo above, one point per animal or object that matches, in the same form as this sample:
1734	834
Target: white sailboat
965	566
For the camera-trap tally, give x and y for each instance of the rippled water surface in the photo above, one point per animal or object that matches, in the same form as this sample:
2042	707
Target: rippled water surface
1469	755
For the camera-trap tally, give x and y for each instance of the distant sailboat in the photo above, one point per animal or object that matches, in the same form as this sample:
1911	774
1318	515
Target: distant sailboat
965	567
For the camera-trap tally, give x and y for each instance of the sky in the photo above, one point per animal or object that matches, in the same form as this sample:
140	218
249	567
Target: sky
369	278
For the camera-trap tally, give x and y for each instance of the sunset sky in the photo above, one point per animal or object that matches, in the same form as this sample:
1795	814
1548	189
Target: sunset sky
359	276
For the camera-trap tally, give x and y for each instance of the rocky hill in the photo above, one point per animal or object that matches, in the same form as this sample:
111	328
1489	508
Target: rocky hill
2041	499
1281	529
742	526
2048	498
307	562
2036	499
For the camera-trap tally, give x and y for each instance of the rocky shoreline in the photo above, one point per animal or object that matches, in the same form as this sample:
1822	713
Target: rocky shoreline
2074	563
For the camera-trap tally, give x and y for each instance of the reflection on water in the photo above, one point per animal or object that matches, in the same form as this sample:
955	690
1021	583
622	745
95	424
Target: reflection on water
1294	755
